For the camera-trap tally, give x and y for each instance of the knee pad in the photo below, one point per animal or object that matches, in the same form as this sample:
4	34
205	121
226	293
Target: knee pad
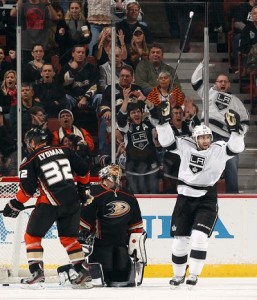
180	245
199	240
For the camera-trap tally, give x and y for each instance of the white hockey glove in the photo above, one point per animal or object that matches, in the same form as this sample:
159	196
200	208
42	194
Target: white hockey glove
136	247
232	119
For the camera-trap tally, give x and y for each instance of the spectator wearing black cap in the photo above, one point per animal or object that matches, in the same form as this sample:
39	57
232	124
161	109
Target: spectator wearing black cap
131	22
141	166
138	48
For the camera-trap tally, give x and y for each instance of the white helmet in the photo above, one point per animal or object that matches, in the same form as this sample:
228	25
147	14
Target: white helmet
201	130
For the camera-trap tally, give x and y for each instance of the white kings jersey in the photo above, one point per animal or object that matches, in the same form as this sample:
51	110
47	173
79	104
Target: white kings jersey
199	169
219	104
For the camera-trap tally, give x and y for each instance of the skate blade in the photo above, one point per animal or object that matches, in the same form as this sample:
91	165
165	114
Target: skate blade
83	285
175	287
34	286
190	287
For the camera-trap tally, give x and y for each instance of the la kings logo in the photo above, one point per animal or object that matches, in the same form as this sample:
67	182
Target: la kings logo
196	163
222	101
139	136
140	140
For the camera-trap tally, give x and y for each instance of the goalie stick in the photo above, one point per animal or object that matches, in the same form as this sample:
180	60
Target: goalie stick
25	207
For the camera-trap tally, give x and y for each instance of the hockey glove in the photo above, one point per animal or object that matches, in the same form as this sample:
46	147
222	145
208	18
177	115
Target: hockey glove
86	240
136	247
13	208
163	111
82	149
84	192
232	120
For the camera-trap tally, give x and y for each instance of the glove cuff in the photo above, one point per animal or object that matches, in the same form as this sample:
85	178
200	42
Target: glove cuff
16	205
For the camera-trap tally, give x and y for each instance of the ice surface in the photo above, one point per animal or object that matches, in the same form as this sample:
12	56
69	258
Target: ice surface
152	288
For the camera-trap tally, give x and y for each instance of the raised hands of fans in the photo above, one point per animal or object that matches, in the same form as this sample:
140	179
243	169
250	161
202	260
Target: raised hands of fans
163	111
172	100
232	119
189	108
13	208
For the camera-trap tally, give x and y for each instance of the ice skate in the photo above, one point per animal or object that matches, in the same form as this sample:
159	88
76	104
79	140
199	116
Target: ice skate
37	281
191	281
176	281
84	279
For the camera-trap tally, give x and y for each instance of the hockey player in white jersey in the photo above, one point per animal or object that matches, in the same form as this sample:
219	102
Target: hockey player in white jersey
220	101
196	209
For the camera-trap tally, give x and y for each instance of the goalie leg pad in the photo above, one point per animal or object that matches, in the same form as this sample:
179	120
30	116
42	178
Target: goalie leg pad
96	273
137	246
136	273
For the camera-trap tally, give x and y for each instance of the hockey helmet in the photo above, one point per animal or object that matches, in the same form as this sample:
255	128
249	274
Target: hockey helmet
111	172
38	135
201	130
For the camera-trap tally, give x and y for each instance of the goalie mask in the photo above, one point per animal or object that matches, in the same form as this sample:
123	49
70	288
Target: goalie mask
200	130
38	135
111	172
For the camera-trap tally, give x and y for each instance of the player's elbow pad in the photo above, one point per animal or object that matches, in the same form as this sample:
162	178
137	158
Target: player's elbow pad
137	246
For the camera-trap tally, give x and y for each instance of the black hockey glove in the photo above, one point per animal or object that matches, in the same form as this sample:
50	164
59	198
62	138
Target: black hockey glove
86	240
84	192
82	149
232	120
163	111
13	208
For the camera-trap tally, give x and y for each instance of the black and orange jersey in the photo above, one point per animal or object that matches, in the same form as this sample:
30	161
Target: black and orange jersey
49	171
111	215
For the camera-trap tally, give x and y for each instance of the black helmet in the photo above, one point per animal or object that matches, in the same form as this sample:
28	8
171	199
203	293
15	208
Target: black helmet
38	135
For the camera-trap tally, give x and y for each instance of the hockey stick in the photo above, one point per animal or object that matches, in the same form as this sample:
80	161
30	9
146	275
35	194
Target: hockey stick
191	14
135	267
25	207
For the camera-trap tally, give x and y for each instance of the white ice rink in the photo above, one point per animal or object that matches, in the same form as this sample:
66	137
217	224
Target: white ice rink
158	289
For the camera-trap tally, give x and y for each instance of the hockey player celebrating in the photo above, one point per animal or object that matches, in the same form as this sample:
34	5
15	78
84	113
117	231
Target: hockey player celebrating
48	169
115	218
196	209
220	101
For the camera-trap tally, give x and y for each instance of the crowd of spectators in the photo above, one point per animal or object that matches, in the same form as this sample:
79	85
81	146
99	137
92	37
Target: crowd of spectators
79	86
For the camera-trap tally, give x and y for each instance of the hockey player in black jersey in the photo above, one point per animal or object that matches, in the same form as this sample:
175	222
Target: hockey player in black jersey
115	218
196	209
48	171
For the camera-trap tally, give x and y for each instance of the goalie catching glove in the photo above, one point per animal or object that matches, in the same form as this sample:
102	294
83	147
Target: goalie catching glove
163	111
136	247
232	120
13	208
